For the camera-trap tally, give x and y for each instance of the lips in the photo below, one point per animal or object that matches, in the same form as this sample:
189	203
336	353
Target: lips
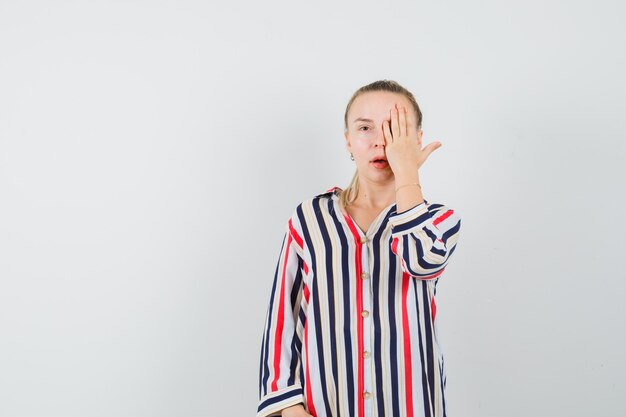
379	163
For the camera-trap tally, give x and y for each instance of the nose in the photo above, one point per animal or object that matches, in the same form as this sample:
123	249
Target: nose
379	141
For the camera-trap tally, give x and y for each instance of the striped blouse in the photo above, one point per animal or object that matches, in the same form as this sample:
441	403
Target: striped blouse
350	329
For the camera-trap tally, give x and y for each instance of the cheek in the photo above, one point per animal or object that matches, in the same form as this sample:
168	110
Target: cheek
360	145
365	138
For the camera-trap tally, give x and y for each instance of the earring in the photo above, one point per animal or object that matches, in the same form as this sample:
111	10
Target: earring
352	157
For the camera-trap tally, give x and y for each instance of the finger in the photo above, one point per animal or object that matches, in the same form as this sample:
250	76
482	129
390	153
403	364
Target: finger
411	123
402	120
431	147
395	130
387	133
396	113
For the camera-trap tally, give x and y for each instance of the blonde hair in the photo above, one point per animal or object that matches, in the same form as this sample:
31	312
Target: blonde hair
348	195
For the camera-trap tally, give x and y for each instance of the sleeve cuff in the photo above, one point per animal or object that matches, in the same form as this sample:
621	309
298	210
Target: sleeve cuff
415	217
273	403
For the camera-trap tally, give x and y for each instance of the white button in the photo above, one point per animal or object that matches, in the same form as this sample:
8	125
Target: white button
364	275
365	313
364	239
367	395
366	354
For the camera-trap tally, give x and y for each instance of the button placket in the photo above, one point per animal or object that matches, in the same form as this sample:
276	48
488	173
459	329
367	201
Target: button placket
367	326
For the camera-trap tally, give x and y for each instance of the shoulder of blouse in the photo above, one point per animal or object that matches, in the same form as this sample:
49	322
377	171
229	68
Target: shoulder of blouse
328	192
308	204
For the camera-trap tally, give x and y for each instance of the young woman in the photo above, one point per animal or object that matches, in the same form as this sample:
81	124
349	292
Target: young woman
351	326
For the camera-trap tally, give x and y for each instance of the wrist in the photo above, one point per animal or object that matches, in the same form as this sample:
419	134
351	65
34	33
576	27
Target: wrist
407	178
291	408
408	184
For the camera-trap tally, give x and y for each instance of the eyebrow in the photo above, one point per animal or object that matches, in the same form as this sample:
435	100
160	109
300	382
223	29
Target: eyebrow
360	119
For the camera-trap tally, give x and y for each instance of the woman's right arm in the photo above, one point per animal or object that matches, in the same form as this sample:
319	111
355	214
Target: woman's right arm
280	388
295	411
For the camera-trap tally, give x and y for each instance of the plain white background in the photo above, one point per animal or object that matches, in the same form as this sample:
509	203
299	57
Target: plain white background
152	151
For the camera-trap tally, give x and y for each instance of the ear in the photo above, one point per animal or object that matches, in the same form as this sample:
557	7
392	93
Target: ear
419	135
347	141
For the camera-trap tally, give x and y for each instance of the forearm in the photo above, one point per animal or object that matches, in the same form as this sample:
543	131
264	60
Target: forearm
409	196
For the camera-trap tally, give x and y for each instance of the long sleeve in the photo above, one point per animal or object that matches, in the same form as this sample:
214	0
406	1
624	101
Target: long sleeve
424	237
280	384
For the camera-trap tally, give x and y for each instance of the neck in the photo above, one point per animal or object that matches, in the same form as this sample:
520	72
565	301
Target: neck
375	194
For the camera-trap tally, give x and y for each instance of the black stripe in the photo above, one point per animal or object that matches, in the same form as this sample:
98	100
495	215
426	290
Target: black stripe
430	234
451	231
296	342
266	359
330	297
261	360
317	321
420	252
393	278
347	332
377	283
281	397
413	222
302	378
443	388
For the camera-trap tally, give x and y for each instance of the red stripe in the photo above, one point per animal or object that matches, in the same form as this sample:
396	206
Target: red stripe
394	245
443	217
433	307
295	234
408	370
309	390
280	319
359	308
394	249
306	293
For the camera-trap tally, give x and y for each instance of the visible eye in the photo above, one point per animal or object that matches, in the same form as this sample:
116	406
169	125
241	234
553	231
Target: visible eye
364	127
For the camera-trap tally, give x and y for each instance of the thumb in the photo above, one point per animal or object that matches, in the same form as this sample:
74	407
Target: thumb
432	147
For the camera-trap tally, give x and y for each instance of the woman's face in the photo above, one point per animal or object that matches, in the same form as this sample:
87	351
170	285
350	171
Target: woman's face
364	138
